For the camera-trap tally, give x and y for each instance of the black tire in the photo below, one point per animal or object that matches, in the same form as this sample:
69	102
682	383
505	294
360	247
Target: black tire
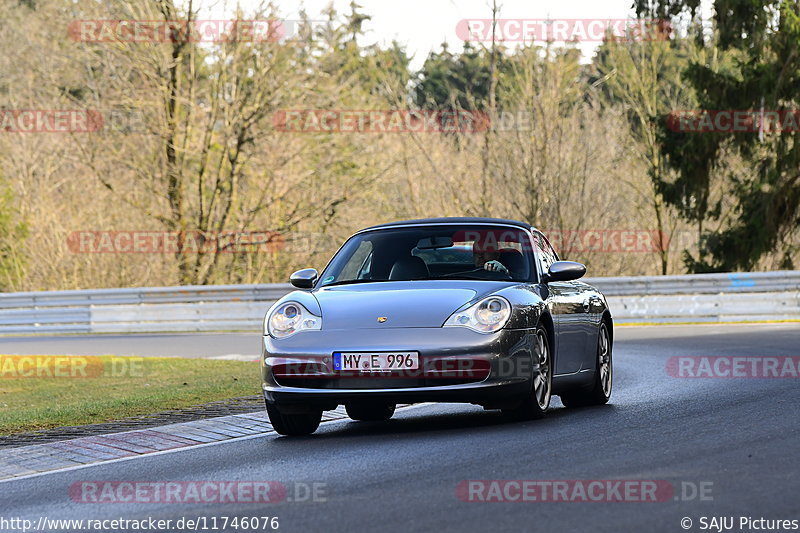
293	424
536	404
600	392
370	412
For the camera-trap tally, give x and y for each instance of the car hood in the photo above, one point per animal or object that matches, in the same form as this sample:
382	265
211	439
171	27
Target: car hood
404	304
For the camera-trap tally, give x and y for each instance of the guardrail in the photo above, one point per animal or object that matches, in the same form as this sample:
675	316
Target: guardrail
726	283
688	298
151	309
726	297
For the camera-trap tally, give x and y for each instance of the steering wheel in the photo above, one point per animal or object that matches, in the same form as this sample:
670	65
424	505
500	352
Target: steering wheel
482	273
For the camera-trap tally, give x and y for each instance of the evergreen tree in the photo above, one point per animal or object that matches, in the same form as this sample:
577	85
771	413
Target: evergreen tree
763	36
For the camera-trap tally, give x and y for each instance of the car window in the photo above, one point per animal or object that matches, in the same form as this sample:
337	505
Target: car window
433	252
552	256
357	267
545	254
363	272
454	254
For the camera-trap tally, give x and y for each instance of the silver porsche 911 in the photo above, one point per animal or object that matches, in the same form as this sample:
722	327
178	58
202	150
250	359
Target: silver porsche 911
473	310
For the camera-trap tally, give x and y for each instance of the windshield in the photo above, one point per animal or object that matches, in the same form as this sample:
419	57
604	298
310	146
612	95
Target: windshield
479	252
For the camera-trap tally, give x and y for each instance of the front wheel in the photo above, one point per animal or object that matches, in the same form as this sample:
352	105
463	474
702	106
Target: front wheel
536	404
600	392
294	424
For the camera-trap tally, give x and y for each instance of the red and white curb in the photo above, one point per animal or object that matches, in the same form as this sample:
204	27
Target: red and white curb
36	459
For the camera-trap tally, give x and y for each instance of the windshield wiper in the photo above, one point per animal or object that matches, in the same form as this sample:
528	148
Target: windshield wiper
354	281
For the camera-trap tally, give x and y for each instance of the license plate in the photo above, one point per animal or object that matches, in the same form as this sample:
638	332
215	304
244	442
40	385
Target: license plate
375	361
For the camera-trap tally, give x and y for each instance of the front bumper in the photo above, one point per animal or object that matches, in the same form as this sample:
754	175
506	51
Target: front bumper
457	365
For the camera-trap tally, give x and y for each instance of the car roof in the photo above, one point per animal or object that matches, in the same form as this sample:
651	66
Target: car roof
452	220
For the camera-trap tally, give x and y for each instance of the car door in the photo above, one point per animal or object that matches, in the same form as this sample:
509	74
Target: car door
588	321
593	305
564	300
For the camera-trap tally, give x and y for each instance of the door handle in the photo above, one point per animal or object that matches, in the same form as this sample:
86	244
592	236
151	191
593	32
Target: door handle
586	306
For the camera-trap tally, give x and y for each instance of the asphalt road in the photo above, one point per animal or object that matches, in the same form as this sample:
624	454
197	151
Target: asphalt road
739	438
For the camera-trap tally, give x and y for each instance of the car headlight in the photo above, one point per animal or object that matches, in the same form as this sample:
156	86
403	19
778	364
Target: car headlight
487	316
289	318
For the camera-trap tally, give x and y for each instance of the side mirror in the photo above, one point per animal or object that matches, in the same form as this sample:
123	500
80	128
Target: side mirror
564	271
304	279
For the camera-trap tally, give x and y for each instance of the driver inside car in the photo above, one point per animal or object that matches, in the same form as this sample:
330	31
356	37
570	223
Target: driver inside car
486	257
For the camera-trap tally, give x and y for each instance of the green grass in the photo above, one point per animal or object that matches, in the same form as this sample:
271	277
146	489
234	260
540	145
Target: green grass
109	387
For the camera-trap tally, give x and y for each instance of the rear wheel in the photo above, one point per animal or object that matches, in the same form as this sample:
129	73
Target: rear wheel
600	392
370	412
293	424
538	401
